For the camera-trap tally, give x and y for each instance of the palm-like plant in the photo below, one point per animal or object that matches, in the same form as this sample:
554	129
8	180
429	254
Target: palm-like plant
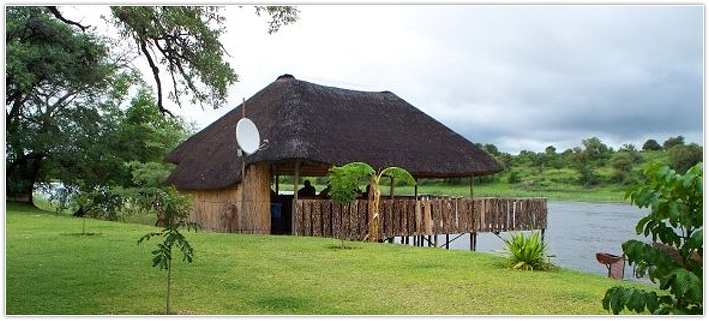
345	180
527	253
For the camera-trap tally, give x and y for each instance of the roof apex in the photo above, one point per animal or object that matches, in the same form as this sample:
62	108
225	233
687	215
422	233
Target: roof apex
285	77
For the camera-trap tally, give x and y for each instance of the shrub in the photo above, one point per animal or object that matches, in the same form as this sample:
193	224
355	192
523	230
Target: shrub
682	157
514	178
527	253
676	227
651	144
672	142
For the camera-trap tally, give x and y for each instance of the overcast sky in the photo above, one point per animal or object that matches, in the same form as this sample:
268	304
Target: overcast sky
519	77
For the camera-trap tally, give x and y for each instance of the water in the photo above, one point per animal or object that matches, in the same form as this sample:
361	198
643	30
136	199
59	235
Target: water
576	231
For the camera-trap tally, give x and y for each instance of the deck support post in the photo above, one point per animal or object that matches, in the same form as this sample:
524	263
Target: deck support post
277	184
295	197
473	233
416	200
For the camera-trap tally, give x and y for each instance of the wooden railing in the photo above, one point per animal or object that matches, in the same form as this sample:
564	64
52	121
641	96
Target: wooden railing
404	216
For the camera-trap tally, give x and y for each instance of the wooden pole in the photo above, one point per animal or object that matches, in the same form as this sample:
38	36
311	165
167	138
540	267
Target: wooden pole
295	196
473	233
277	184
243	171
416	198
391	188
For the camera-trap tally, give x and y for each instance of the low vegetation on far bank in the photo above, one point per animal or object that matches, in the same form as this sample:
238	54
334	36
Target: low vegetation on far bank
593	172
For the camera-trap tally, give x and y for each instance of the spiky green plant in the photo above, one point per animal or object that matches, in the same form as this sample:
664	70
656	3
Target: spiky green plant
527	253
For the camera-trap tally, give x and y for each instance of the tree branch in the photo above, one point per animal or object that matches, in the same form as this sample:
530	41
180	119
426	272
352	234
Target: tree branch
156	75
58	15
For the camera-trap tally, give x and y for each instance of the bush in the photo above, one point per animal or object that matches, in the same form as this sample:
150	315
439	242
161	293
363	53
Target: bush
587	176
651	144
527	253
674	259
514	178
682	157
672	142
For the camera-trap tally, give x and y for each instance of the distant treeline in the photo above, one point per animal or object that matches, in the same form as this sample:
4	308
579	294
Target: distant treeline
591	164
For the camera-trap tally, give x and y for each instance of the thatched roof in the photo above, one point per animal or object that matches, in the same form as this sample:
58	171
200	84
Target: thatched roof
325	126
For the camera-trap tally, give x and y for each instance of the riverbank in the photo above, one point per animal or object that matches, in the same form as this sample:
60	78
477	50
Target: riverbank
51	269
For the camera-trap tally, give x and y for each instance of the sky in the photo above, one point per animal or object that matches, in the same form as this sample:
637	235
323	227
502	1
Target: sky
519	77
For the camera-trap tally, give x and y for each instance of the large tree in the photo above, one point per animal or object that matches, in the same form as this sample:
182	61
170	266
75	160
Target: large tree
55	77
64	80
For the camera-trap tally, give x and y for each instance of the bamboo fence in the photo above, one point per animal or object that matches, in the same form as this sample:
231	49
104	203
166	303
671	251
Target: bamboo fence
427	216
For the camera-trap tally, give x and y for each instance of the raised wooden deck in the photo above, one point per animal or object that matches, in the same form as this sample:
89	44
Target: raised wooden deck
405	216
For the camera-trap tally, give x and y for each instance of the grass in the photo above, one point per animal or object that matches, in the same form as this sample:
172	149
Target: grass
52	269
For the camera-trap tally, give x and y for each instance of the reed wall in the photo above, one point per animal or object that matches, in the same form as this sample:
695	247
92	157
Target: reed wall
235	209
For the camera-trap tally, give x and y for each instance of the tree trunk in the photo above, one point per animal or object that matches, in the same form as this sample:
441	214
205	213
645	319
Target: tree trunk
169	285
21	177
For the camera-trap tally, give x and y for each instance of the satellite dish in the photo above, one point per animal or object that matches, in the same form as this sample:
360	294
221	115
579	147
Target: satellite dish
247	136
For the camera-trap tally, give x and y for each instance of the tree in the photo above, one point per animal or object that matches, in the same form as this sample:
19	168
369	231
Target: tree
59	84
491	149
587	175
185	39
676	220
140	133
550	150
622	164
651	144
173	207
506	159
63	77
345	180
683	157
595	150
672	142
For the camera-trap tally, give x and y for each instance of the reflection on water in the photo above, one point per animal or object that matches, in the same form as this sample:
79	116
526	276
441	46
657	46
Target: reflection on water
576	231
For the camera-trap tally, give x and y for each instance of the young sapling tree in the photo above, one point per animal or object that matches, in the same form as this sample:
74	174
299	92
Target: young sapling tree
172	209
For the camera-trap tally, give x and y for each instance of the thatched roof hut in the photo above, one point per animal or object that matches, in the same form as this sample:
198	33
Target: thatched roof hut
315	127
325	126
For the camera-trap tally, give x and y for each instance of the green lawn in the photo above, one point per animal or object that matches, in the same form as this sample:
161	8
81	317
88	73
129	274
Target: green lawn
51	269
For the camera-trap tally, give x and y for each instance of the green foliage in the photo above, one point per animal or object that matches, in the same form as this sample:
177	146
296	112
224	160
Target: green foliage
587	175
506	160
683	157
513	178
676	221
672	142
186	40
398	173
651	144
280	16
622	164
345	181
61	86
594	150
172	208
527	253
91	167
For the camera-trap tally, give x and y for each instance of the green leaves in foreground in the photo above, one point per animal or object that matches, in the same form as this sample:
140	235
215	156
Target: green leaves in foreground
527	253
345	180
676	221
162	256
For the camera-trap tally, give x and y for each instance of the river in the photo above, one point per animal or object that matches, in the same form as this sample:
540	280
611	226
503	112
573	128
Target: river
576	231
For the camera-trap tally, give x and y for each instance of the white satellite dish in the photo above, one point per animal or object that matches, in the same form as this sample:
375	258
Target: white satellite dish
247	136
